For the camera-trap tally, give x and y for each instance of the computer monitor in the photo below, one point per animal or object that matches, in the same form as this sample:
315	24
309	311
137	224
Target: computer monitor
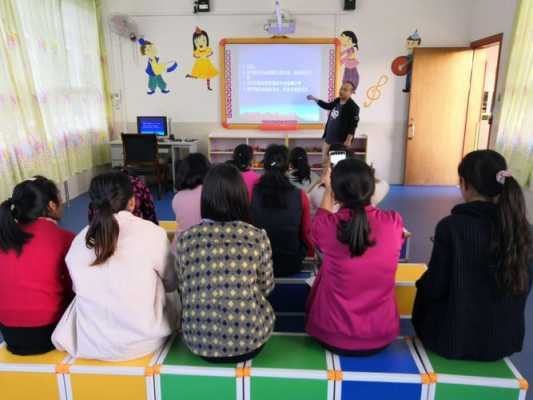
152	126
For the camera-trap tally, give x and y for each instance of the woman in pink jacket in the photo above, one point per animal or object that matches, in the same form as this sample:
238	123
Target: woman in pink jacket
352	307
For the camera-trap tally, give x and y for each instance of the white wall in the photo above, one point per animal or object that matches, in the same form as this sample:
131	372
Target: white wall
381	26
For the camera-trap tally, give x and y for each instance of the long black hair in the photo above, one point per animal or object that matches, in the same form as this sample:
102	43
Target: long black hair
29	201
274	183
353	37
109	194
298	160
353	184
242	157
224	195
191	171
511	237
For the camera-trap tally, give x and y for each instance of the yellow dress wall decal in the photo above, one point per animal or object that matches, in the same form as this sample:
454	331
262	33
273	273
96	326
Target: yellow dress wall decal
203	68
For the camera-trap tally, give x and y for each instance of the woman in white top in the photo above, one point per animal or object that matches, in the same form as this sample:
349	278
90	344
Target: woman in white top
121	273
300	173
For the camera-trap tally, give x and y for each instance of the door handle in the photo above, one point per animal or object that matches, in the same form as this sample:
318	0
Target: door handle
411	130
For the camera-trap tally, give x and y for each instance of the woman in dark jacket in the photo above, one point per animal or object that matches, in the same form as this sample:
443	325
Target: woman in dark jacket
283	211
470	303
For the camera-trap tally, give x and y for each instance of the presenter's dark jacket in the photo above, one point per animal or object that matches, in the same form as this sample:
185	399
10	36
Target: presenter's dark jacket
348	120
460	312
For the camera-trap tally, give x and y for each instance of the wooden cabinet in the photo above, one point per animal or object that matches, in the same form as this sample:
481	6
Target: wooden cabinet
221	145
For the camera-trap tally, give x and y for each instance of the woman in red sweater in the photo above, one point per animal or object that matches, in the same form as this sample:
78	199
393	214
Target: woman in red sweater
35	287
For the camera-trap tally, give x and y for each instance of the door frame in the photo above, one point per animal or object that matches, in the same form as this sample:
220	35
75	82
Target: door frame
488	42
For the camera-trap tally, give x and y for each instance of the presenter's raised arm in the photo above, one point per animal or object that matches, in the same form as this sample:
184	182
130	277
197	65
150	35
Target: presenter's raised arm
322	104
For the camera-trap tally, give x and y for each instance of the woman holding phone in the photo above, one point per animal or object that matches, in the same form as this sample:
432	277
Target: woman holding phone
360	244
339	152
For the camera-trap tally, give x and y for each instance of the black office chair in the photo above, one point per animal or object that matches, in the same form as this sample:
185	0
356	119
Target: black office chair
141	158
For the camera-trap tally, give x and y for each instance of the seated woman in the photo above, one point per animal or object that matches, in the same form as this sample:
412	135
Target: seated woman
352	306
283	211
300	173
225	274
121	272
316	192
35	286
144	202
470	303
186	202
242	159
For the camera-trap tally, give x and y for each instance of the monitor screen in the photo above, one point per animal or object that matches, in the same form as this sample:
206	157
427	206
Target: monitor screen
152	125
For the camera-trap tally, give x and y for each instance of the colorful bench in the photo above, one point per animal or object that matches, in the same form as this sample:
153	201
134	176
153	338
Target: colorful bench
288	299
31	377
469	380
394	373
180	371
128	380
291	366
290	296
406	277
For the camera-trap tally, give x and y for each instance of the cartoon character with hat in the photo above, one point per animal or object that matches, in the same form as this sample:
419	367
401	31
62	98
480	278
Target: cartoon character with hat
155	68
403	65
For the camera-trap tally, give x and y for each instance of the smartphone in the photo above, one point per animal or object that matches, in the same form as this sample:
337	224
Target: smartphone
336	156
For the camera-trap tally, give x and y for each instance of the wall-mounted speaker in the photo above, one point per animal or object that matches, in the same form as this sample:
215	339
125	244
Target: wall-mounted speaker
349	5
201	6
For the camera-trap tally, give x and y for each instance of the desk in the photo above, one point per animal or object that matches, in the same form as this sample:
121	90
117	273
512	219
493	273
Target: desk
164	146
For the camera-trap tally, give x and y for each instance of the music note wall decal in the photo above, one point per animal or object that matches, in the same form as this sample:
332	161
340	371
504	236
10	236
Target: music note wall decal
373	93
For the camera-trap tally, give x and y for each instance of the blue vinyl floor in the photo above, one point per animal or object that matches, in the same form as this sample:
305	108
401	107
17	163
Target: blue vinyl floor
421	208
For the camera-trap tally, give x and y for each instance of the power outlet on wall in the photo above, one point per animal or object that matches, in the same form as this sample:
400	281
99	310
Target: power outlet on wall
115	100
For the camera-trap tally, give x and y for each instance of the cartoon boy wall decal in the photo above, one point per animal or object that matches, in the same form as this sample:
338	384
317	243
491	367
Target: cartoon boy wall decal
203	67
155	68
403	65
414	40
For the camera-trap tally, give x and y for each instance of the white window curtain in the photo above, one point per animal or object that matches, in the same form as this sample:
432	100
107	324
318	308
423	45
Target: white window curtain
515	133
53	111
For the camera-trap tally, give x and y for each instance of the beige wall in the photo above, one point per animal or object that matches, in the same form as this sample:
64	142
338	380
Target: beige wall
382	27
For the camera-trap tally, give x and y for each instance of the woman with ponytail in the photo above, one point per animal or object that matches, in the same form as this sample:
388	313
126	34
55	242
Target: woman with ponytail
121	271
35	286
352	306
300	173
283	211
470	303
242	159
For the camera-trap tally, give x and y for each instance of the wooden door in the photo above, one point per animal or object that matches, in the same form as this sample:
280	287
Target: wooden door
437	115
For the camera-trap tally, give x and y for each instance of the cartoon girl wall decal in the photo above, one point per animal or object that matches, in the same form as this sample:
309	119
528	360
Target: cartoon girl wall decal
155	68
350	47
203	68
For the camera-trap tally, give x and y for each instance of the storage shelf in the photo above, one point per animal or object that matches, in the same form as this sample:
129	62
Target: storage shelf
306	139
